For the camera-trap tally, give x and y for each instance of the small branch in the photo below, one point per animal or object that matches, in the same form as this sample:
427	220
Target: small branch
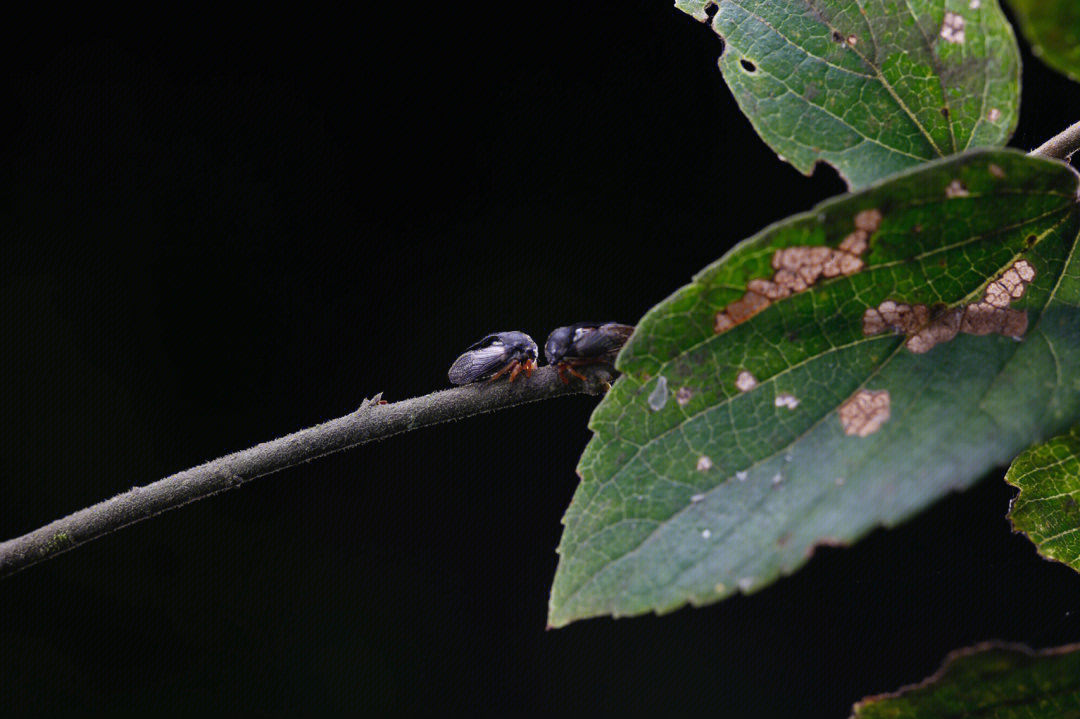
370	422
1062	146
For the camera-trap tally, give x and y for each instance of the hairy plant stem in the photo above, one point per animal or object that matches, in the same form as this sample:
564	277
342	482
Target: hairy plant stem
370	422
1060	146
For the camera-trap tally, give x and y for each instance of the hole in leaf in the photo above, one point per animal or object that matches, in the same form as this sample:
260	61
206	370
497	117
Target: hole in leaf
748	66
711	9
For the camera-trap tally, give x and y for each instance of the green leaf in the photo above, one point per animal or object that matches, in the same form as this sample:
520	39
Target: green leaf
1046	509
990	680
1053	29
722	489
869	86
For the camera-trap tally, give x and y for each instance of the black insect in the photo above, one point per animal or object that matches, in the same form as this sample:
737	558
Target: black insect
585	343
494	356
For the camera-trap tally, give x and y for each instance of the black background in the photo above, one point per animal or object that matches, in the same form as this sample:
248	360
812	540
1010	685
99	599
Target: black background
222	230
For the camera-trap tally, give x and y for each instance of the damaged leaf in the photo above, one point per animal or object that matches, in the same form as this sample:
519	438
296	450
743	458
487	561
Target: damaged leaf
871	87
1047	509
1053	29
816	429
989	680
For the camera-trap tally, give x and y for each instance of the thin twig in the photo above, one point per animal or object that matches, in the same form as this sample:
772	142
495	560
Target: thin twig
370	422
1061	146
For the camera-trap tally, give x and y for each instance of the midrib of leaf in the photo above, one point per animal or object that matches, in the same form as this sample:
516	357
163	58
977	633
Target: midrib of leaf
937	71
973	295
877	75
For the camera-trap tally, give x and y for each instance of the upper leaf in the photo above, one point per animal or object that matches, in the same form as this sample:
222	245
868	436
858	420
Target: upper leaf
989	680
798	420
1053	28
1046	509
869	86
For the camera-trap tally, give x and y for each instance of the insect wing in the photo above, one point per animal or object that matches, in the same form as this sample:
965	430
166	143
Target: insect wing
478	363
604	341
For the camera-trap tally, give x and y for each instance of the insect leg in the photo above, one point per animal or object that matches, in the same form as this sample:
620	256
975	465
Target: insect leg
511	365
570	369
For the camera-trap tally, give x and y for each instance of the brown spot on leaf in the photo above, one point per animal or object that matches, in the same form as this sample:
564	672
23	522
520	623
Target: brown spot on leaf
942	328
996	171
797	268
956	189
952	30
751	303
868	220
745	381
683	396
864	412
985	319
786	399
926	328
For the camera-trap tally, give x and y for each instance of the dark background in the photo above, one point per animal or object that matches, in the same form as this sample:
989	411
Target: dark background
222	230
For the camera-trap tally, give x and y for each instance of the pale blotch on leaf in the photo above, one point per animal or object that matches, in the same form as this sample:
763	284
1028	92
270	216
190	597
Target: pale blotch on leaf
975	4
741	476
777	478
659	396
797	268
697	498
864	413
683	396
786	399
705	534
996	171
994	115
745	381
952	30
704	464
925	328
956	189
852	40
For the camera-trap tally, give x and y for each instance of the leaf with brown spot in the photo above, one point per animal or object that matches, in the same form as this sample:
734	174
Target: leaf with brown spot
870	87
835	432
